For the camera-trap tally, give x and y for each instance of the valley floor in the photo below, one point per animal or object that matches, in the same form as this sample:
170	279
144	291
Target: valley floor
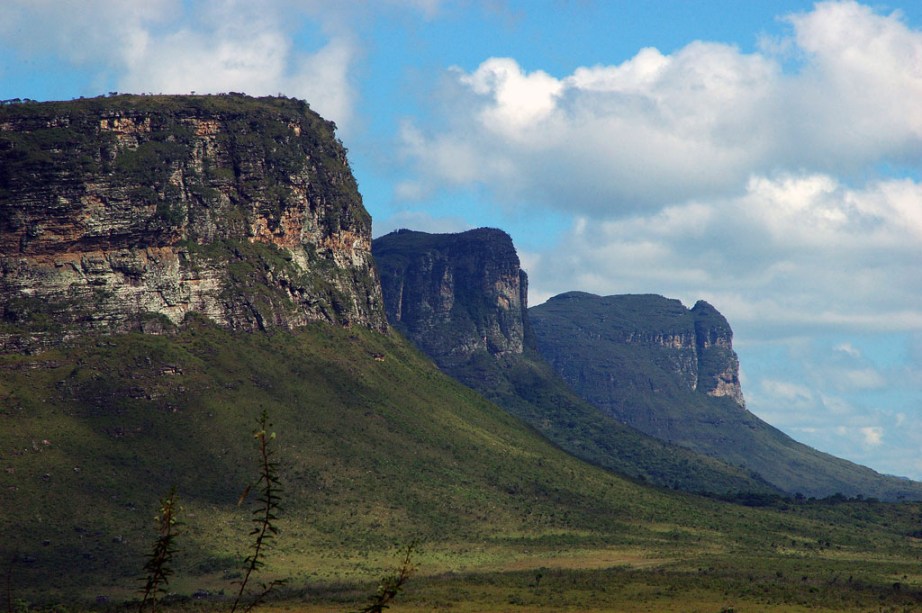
630	581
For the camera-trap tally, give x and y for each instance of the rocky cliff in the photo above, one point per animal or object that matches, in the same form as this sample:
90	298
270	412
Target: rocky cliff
454	295
691	349
717	364
461	298
671	372
130	212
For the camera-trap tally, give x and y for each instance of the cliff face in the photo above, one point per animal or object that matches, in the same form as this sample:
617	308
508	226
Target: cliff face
718	365
454	295
651	344
130	212
671	372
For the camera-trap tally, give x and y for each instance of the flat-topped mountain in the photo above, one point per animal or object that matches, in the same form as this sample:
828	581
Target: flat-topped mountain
130	212
461	298
670	371
650	346
454	294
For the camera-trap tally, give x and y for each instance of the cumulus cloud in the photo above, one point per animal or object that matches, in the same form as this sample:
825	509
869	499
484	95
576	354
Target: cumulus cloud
863	71
657	129
794	250
170	46
872	435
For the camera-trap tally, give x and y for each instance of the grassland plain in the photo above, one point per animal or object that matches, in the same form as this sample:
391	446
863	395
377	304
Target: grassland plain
378	448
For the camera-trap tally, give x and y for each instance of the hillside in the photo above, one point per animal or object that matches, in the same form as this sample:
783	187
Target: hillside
377	448
671	372
462	299
171	267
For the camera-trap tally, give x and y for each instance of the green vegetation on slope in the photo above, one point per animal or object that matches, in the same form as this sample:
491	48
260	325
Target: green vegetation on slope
612	351
528	388
375	445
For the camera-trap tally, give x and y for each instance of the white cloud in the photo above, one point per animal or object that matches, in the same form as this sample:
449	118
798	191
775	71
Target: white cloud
848	349
873	435
171	46
792	251
660	129
864	71
519	100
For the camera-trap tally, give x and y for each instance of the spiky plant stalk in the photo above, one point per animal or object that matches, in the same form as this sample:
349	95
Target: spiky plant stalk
9	582
392	585
159	564
264	514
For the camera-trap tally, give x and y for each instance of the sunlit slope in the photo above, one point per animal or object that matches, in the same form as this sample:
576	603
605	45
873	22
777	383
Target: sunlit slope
377	448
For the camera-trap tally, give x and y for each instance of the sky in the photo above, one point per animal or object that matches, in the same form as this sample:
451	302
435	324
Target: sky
763	156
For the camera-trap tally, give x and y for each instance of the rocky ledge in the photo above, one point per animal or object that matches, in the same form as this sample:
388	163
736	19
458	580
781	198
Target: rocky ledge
130	212
455	295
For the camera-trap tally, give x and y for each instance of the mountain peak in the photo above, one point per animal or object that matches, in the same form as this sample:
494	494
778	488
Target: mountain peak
454	295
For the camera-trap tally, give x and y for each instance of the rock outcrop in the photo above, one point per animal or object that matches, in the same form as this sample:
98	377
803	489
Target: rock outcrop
717	364
454	295
671	372
461	298
130	212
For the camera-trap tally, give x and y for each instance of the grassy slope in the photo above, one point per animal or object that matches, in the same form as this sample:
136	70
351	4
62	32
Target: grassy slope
528	388
581	335
374	453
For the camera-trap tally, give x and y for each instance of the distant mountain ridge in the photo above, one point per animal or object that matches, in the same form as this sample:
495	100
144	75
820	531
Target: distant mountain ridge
646	362
462	299
671	372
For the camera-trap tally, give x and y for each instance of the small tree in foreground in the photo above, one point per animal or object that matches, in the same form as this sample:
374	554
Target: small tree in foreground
392	585
159	564
264	514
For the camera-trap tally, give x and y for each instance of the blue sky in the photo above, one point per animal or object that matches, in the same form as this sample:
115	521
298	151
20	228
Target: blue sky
763	156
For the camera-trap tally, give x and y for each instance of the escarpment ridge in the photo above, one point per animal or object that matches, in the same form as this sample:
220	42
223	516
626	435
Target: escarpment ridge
130	212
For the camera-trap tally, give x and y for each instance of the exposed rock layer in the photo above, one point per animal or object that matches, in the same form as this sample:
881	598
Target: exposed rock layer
133	211
461	298
454	294
671	372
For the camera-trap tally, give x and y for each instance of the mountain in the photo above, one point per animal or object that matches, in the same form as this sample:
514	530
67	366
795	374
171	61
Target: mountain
462	299
172	266
455	295
146	326
671	372
129	212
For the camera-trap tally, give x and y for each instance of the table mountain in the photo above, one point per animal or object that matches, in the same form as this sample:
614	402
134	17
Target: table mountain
671	372
454	294
462	299
129	212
